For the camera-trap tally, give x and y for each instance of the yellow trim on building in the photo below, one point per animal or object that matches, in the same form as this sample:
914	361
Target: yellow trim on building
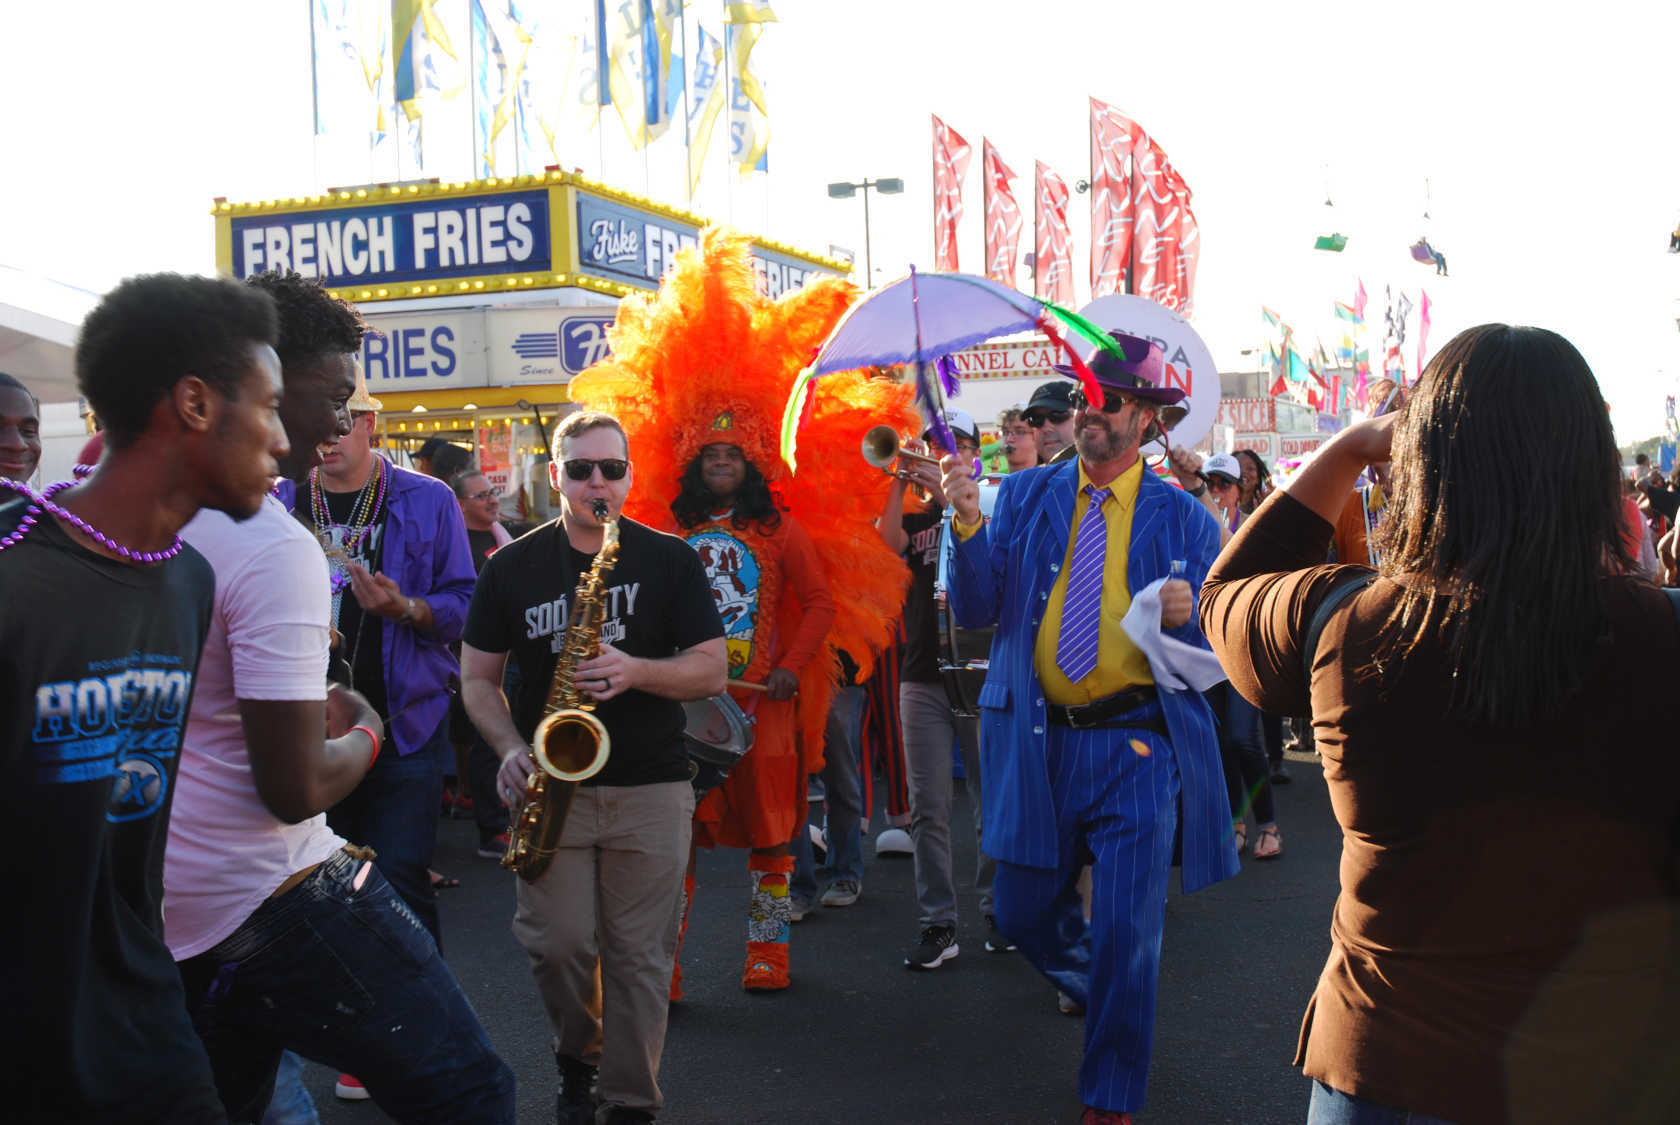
467	399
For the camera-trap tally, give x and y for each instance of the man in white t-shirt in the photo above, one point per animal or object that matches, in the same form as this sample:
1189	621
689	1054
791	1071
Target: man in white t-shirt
285	936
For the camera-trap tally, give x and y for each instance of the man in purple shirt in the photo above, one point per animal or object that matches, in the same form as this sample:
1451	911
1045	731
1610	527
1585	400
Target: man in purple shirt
401	577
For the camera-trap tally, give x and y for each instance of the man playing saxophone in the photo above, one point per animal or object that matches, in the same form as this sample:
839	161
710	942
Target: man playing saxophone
600	924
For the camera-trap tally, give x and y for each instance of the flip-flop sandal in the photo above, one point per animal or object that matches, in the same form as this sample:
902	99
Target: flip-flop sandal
442	882
1239	833
1268	836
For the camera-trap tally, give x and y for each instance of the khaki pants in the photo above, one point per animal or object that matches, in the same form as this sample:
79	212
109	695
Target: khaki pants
601	930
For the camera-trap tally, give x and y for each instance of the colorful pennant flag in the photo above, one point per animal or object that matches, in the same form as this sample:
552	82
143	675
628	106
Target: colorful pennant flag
1359	300
951	155
1003	216
1270	317
1346	312
1052	240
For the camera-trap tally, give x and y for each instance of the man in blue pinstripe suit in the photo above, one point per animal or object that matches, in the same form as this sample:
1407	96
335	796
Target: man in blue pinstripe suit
1085	760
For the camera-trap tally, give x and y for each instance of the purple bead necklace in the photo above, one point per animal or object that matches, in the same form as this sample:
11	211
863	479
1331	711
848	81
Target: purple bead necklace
42	501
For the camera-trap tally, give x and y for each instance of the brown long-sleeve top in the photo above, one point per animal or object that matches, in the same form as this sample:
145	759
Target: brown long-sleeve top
1506	943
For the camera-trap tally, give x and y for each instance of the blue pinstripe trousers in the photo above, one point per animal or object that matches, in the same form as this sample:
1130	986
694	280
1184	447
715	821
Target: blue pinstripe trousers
1116	808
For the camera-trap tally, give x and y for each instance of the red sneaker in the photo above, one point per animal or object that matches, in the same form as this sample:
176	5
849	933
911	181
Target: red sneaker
1104	1117
350	1088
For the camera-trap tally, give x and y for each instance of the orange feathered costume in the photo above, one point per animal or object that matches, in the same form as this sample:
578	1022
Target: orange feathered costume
707	347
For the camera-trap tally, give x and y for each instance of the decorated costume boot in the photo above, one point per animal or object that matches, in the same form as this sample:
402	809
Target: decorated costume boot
767	924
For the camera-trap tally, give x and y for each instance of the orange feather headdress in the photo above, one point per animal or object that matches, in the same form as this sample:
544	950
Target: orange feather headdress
707	359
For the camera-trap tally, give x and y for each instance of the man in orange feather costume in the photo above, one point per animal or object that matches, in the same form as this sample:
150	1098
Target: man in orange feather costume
700	373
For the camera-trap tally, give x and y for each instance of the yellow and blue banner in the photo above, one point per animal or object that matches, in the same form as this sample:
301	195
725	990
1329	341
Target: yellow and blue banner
749	114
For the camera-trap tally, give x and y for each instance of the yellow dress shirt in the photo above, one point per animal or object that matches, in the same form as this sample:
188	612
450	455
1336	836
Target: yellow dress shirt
1120	664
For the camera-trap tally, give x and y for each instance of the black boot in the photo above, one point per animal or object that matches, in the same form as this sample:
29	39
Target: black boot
575	1104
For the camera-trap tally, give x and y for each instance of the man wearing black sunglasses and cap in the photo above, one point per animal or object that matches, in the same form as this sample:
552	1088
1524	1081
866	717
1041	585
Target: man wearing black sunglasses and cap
600	924
1085	759
1050	414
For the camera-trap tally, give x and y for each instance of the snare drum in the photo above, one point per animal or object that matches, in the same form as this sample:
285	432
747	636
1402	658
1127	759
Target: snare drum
718	734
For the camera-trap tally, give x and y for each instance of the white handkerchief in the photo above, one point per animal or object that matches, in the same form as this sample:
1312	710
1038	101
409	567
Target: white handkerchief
1175	665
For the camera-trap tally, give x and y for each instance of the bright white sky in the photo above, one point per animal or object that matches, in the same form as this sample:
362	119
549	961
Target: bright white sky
1547	130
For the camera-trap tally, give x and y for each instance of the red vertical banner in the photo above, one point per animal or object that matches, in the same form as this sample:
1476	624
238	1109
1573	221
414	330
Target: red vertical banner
950	165
1189	249
1003	217
1163	220
1113	137
1052	241
1423	329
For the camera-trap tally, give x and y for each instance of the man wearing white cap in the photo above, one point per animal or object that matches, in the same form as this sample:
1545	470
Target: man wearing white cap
925	714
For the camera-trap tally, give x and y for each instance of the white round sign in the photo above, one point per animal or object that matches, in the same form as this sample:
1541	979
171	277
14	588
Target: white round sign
1189	364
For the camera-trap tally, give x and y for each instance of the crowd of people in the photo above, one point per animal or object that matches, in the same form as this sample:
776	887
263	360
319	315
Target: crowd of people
243	652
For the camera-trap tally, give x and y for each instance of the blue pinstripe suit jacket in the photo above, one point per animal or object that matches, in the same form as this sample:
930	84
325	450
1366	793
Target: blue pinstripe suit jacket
1002	575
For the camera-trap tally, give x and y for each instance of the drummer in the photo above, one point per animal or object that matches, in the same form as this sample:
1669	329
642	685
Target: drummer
763	568
600	924
914	528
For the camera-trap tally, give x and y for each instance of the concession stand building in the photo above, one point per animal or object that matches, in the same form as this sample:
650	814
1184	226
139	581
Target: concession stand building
486	297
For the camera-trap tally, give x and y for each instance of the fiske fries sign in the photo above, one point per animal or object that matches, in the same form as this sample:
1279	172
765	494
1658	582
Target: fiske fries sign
400	241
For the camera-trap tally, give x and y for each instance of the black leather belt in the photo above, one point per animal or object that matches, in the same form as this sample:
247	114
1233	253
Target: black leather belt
1103	712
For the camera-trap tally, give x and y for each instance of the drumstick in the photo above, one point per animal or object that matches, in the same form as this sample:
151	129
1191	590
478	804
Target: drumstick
751	686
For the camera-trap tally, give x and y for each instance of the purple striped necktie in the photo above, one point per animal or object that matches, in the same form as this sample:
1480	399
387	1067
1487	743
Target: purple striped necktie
1076	643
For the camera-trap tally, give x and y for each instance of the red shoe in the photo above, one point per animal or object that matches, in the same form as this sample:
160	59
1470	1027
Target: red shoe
350	1088
1104	1117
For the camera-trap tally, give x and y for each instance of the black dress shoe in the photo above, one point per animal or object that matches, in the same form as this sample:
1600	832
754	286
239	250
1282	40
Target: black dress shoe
1280	774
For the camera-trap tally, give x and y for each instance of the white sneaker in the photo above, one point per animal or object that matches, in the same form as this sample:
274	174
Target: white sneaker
894	841
843	892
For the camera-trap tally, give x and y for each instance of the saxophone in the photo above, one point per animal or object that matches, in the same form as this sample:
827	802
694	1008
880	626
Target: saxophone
570	744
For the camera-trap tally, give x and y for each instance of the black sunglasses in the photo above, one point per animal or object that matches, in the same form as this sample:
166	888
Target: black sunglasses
1054	417
1113	401
582	468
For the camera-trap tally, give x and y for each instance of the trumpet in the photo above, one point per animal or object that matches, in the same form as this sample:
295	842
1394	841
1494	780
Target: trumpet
883	449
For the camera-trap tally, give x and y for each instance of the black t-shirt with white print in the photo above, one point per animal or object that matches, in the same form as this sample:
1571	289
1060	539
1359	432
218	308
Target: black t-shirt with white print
97	664
658	603
920	664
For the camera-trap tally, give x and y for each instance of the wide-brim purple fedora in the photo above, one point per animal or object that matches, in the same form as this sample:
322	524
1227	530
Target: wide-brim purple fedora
1142	373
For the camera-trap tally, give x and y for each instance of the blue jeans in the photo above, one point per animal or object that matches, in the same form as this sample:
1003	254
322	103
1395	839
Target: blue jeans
1330	1106
394	811
340	971
291	1103
843	790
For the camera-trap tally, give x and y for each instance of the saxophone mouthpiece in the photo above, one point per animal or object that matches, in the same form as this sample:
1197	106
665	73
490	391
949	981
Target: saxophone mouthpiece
599	507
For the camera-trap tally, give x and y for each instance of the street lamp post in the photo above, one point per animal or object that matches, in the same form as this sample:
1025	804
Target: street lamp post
845	190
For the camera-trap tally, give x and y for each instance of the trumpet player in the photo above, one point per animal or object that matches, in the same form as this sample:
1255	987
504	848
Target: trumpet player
600	924
924	709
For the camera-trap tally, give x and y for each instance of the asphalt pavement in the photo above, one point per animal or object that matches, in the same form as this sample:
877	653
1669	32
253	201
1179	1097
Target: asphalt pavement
859	1039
